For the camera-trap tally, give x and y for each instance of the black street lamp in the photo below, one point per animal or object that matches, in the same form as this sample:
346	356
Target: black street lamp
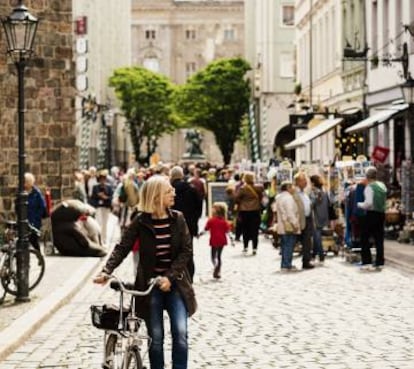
407	89
20	29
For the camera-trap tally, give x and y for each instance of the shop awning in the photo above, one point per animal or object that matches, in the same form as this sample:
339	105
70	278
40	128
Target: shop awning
377	118
314	132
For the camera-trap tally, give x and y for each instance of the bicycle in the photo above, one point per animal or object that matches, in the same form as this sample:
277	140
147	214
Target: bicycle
8	261
122	328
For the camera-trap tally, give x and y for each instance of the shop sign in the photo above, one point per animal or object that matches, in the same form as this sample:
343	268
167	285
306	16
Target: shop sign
380	154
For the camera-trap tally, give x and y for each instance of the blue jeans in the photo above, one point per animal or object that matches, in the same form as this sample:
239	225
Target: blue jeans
287	243
174	304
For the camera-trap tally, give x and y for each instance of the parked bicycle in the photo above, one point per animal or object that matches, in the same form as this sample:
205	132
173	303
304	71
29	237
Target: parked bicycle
8	261
123	335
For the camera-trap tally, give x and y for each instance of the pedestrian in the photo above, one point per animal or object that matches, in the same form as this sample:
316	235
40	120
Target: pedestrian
189	202
304	205
165	249
79	190
36	208
218	227
101	199
249	204
288	226
320	212
375	194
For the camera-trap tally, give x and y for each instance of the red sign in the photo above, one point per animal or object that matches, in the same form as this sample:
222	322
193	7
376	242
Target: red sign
380	154
81	25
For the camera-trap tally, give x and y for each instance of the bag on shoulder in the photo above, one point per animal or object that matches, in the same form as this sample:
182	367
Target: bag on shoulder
185	287
289	229
122	194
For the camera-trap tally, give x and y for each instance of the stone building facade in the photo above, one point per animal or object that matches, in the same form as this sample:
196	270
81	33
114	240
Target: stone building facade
49	102
177	38
53	108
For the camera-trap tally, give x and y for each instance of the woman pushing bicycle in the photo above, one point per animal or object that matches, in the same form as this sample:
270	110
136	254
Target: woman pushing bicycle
164	245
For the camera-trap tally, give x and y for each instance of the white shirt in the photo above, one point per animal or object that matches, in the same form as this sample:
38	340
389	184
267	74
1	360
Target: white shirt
306	202
368	203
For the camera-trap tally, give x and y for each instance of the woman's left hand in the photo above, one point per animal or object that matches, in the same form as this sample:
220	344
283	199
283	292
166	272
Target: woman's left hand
164	284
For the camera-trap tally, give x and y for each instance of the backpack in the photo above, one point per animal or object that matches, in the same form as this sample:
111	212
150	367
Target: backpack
122	194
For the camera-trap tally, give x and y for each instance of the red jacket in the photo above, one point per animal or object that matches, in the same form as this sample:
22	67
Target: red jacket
218	228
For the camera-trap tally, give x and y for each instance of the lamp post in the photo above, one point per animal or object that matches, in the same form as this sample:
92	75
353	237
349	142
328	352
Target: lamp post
20	30
109	116
407	89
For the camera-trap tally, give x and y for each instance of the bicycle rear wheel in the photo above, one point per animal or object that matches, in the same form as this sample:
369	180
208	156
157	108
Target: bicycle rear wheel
134	360
36	271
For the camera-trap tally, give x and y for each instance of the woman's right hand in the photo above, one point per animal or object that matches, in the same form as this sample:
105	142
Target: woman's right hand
101	278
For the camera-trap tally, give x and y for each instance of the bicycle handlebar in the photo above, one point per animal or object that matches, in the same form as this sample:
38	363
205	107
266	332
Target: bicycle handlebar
153	282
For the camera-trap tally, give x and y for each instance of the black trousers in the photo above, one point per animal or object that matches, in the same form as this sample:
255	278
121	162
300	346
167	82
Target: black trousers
373	226
250	223
216	256
306	241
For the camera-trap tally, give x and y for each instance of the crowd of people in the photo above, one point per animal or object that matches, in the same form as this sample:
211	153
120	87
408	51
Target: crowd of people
159	209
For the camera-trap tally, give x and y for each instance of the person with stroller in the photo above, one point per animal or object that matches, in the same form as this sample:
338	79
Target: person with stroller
164	244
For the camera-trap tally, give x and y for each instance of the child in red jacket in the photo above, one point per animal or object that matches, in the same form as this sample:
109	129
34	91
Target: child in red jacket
218	227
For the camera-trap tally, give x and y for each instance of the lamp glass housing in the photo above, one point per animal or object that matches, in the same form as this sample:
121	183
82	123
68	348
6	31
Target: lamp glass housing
408	91
20	28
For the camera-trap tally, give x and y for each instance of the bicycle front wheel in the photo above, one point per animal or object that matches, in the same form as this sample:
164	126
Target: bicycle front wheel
133	359
113	354
36	271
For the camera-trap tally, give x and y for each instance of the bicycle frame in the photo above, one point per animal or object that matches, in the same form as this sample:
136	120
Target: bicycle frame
128	333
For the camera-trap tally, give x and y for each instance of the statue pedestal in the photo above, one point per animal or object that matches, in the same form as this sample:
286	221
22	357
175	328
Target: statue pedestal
188	159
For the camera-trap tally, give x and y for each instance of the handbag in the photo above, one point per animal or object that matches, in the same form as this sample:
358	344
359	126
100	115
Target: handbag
187	292
289	229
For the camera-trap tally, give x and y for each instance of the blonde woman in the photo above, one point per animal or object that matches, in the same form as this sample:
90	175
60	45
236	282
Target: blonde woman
249	203
164	245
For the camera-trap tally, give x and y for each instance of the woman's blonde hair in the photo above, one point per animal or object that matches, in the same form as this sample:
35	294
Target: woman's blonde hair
151	195
248	177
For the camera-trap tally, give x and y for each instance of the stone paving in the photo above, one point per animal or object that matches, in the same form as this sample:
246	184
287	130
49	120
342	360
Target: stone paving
331	317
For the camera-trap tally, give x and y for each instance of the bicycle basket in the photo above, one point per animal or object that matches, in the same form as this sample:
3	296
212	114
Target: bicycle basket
106	316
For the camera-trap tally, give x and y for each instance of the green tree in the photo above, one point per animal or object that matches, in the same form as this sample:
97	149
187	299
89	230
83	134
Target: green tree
216	98
146	103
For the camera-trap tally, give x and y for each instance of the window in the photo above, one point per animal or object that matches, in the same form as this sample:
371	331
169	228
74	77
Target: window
288	15
229	35
286	65
150	34
190	34
190	69
152	63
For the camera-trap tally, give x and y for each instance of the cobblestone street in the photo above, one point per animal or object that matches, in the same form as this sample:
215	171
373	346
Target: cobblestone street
331	317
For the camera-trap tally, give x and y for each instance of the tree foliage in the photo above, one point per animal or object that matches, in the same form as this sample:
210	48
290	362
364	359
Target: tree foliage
146	101
216	98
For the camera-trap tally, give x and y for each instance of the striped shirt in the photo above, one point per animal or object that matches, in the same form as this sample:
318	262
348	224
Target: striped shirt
162	228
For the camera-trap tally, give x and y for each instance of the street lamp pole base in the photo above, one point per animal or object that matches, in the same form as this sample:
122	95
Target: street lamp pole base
20	299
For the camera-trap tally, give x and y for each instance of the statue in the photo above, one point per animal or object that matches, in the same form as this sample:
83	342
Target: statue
194	138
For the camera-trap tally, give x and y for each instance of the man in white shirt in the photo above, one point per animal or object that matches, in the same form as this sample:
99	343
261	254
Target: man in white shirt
375	194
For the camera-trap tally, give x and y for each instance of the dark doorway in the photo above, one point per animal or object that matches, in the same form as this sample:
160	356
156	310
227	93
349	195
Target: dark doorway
283	137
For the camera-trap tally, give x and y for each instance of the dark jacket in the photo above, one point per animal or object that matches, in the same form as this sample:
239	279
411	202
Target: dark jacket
96	201
249	198
36	208
189	202
181	248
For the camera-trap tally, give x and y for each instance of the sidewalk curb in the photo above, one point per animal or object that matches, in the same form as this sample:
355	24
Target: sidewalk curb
22	328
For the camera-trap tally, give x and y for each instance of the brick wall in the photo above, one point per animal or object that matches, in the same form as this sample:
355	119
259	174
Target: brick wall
50	105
